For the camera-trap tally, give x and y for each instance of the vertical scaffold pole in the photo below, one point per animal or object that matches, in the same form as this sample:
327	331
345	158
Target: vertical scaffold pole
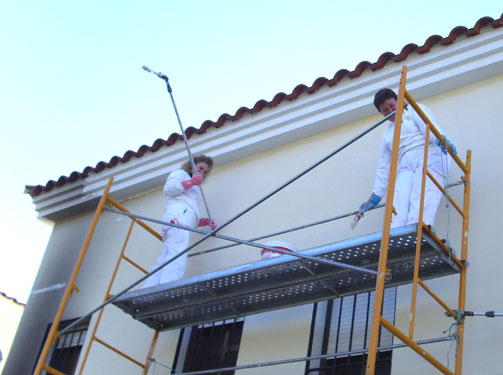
464	257
71	283
383	257
420	223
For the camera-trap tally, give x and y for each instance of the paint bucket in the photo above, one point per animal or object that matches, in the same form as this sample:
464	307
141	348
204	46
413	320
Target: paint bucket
283	245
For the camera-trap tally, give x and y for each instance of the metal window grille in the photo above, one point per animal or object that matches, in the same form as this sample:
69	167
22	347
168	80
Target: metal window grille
210	346
347	330
66	350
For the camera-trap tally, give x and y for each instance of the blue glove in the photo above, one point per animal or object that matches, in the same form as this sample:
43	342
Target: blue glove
444	151
374	201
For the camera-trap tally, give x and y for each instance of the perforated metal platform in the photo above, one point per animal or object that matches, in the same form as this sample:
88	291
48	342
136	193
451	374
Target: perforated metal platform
284	281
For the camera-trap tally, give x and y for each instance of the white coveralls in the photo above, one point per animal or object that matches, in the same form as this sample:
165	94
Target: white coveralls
410	160
183	208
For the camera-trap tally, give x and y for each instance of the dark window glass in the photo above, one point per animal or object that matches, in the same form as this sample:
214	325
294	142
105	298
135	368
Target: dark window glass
65	353
346	330
212	346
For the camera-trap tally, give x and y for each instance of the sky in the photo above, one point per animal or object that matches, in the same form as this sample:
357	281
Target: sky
73	93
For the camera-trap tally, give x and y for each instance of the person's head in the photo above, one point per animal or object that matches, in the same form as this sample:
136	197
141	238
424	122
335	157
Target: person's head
203	165
385	102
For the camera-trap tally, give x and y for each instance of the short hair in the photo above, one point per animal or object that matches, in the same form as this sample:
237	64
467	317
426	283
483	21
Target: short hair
382	95
187	166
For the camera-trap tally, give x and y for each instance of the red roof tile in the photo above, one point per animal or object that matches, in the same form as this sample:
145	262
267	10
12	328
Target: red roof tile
278	98
12	299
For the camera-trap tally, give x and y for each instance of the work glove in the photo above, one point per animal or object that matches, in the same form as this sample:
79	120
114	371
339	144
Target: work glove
444	151
197	179
374	201
207	222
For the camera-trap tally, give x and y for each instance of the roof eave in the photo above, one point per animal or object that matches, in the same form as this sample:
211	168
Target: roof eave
442	69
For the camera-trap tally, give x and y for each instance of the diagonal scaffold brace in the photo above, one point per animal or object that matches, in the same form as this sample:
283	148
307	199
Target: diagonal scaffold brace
192	163
237	216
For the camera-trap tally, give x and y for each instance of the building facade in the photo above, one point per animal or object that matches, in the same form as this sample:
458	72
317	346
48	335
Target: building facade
10	315
460	78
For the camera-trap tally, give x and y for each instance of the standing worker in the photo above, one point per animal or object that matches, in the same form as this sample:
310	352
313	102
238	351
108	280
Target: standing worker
407	195
182	209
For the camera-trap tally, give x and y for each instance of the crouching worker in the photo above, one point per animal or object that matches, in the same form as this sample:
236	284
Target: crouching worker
183	209
407	196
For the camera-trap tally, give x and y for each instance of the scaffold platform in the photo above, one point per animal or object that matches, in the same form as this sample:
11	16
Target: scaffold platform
285	281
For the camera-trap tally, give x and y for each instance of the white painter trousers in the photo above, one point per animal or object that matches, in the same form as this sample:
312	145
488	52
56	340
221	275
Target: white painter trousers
408	191
174	241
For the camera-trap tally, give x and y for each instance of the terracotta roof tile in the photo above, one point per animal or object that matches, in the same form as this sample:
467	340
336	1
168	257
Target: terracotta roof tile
278	98
12	299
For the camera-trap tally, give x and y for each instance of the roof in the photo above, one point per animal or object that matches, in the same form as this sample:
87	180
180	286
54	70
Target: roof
225	119
12	299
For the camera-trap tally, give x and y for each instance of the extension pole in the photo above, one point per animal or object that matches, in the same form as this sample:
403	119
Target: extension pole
192	163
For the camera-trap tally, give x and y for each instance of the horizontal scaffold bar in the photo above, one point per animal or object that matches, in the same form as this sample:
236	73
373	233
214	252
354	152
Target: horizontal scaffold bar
311	358
249	243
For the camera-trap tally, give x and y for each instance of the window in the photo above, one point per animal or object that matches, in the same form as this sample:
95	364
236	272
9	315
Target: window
342	325
209	346
65	353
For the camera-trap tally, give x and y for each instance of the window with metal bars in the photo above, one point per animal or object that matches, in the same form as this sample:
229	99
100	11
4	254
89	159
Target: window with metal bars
342	326
65	352
209	346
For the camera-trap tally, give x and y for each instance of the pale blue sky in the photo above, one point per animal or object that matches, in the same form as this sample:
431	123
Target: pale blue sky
73	92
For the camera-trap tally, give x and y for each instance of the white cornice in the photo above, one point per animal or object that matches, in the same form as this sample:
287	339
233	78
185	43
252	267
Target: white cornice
442	69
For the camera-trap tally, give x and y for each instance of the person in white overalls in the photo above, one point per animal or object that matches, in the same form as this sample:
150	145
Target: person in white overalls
183	208
407	194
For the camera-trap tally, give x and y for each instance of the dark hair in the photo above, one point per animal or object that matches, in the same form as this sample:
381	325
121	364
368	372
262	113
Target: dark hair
187	166
382	95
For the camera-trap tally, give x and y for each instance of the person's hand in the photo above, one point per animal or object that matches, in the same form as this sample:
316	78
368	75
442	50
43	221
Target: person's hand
444	151
207	222
371	203
197	179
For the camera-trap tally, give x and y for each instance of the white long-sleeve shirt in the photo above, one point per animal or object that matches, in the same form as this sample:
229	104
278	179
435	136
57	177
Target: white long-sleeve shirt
412	138
174	190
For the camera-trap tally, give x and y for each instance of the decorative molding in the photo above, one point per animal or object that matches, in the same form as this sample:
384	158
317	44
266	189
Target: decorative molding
444	68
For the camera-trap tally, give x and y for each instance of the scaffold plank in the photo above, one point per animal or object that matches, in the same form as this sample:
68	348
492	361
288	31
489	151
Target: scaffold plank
284	281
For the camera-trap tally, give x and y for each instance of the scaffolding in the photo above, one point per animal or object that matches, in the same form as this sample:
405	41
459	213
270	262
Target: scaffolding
404	255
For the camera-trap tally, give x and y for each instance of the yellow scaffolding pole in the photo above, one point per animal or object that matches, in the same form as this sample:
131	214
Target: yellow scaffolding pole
121	257
53	333
464	258
420	225
383	257
71	283
377	319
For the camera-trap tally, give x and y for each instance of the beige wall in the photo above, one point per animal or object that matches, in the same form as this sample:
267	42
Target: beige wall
10	315
471	118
